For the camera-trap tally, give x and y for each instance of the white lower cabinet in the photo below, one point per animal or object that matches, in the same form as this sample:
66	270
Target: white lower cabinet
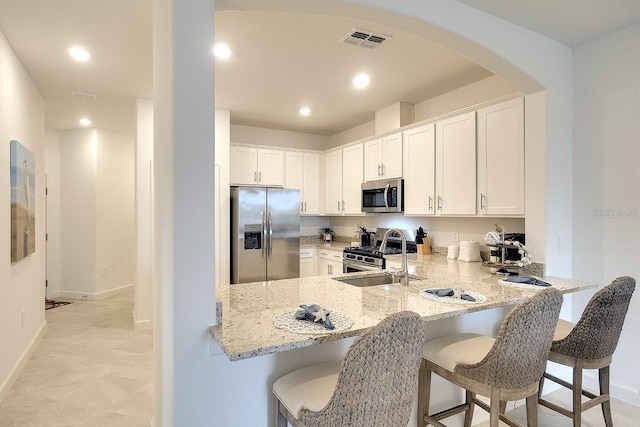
308	262
329	262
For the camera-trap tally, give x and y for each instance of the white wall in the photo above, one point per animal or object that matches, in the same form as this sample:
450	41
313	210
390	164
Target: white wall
191	389
142	303
78	150
475	93
607	182
115	229
442	231
362	131
96	212
21	283
279	138
52	171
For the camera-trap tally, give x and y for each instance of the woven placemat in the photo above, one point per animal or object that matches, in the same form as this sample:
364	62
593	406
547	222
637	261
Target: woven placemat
288	322
455	299
528	286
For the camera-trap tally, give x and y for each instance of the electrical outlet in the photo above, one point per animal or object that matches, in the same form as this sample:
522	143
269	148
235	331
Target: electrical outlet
561	244
22	318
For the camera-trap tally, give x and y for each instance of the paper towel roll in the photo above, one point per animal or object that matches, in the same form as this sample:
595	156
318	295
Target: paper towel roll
469	251
453	251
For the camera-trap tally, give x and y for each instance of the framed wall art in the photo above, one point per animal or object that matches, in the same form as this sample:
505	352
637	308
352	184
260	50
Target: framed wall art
23	196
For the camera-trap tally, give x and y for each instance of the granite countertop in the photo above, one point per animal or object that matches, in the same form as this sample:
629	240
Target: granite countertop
246	328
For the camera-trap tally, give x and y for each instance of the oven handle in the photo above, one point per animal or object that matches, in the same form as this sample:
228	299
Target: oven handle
386	192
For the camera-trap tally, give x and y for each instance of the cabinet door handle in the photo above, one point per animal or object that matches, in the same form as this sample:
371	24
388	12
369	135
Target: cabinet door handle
430	203
260	176
255	176
482	197
382	169
439	203
330	269
301	209
343	206
338	205
379	171
305	206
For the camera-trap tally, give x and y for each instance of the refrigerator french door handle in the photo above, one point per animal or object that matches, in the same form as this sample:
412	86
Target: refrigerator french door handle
386	192
264	233
270	235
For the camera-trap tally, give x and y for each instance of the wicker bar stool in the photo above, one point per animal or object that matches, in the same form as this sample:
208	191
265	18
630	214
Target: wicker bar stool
373	386
589	344
506	368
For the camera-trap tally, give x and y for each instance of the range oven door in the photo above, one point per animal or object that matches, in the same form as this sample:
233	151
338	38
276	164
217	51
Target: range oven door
349	266
383	196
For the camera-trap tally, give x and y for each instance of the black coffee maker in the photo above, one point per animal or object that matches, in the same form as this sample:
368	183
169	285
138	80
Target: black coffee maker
365	237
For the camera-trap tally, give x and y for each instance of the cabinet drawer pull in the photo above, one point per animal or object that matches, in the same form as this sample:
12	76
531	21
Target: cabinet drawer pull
439	203
482	197
430	203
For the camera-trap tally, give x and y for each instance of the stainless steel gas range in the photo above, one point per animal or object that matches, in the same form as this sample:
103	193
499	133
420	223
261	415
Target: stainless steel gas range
368	258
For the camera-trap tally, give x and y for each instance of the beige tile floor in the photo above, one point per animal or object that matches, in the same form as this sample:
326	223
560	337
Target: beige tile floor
90	369
624	414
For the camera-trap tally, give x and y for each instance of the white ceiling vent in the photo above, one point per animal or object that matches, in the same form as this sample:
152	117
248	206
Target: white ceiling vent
364	38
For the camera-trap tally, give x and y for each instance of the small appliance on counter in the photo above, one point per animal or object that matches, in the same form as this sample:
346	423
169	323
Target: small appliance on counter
367	258
504	253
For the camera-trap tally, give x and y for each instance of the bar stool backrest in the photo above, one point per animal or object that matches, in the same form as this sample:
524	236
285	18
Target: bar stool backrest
519	355
596	334
378	377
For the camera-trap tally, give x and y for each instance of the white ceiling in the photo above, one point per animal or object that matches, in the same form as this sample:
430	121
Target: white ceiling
280	61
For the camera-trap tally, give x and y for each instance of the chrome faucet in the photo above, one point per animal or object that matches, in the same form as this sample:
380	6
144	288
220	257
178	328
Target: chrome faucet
405	267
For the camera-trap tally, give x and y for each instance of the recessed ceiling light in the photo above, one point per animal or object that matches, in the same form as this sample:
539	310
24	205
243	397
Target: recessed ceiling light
361	81
79	54
85	122
305	111
222	51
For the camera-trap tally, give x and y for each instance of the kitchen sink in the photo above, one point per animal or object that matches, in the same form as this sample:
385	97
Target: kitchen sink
372	280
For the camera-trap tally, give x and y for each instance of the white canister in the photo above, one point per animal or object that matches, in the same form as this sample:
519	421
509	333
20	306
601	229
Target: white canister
453	251
469	251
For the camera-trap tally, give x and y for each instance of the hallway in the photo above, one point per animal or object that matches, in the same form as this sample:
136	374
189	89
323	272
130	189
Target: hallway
90	369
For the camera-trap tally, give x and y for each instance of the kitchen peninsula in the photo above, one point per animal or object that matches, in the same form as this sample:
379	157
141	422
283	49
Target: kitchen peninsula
245	311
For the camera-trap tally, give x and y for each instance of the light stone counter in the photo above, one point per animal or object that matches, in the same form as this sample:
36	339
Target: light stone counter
246	329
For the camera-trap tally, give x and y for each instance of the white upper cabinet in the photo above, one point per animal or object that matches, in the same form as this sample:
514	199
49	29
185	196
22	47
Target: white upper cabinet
343	174
456	165
352	172
373	160
302	172
419	170
333	193
392	156
243	166
256	166
501	158
383	158
311	183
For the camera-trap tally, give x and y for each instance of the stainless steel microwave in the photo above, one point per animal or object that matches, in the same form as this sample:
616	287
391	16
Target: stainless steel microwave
383	196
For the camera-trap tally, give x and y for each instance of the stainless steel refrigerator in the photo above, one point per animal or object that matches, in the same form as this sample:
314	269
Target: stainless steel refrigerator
265	234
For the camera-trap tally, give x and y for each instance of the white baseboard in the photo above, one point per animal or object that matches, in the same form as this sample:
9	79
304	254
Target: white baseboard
141	325
88	295
22	361
617	390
